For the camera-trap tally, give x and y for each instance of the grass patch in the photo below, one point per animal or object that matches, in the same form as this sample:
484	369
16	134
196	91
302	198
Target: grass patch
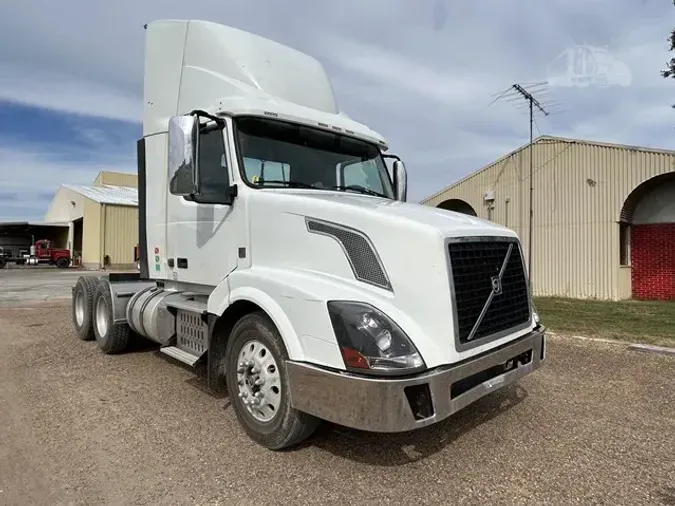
636	321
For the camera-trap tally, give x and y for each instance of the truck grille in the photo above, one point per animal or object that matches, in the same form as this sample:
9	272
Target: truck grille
503	302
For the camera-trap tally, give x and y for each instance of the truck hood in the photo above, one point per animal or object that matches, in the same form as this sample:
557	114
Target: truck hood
409	241
448	223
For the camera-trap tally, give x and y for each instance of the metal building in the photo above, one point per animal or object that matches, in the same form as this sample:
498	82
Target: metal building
603	215
102	220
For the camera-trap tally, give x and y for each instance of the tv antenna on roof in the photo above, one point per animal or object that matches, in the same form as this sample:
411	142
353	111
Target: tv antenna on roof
519	93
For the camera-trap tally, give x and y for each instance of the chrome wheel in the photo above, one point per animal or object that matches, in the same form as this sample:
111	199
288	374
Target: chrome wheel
79	307
101	317
258	381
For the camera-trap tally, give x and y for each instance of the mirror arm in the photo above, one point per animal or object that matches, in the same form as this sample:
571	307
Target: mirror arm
199	113
233	192
395	157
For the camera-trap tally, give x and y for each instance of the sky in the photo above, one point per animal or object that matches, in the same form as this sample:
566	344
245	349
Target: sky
422	73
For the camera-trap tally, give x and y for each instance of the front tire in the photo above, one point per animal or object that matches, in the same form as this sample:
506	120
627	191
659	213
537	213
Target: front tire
62	263
111	337
257	382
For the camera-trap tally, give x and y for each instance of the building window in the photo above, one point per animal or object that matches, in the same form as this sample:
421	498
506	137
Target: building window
624	244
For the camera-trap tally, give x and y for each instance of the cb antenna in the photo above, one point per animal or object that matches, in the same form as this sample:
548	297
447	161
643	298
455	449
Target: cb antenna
519	93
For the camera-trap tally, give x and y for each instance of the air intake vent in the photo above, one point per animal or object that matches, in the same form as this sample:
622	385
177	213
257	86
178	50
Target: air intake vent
490	288
360	252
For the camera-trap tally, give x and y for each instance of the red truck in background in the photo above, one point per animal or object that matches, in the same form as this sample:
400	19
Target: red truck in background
40	253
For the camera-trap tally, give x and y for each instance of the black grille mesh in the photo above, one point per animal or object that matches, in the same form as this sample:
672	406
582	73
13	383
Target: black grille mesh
474	264
364	261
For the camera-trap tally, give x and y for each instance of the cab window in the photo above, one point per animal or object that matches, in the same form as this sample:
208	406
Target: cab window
365	174
214	178
266	170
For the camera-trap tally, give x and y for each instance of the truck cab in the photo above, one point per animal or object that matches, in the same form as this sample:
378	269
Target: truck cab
44	252
277	249
41	252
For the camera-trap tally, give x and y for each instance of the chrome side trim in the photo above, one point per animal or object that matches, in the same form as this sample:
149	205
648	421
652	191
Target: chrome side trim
381	405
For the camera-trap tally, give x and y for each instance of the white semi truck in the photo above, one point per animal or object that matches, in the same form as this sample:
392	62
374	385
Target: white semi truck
277	251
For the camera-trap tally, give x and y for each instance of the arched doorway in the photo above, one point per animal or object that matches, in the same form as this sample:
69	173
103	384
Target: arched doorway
647	234
457	205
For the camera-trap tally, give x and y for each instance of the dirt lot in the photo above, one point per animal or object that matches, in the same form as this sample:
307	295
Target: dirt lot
37	283
595	426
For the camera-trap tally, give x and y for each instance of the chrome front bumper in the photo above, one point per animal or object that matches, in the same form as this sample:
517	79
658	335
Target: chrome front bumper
398	405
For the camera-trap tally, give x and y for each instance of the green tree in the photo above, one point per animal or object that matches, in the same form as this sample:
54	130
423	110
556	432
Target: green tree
670	70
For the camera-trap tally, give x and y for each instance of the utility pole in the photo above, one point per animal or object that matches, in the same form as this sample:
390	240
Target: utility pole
517	92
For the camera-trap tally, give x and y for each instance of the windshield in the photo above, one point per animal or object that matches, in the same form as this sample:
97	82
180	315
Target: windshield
277	154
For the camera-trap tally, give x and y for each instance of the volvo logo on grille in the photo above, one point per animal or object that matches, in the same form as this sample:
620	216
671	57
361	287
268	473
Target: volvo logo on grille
496	285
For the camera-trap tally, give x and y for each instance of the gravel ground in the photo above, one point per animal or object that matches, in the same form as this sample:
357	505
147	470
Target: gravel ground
596	425
38	283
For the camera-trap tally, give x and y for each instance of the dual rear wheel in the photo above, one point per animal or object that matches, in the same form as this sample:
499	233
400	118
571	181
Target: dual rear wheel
93	315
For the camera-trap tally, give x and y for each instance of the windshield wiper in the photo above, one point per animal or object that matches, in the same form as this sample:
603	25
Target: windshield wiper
291	184
360	189
300	184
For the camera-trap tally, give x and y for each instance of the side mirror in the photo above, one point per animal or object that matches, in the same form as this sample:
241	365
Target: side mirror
182	157
400	181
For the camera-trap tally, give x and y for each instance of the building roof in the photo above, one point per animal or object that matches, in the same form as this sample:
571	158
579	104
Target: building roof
34	224
107	194
549	139
9	228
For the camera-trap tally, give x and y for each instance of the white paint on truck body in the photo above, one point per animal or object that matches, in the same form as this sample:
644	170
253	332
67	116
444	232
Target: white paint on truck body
288	271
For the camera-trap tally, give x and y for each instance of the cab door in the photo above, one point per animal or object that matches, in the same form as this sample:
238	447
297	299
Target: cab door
203	233
42	250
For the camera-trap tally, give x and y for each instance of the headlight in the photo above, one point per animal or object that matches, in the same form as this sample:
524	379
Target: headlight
371	342
535	317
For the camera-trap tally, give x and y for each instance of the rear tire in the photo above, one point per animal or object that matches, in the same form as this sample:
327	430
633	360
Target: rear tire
287	426
82	304
111	337
62	262
3	262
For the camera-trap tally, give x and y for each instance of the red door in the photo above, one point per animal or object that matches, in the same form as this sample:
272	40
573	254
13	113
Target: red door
42	250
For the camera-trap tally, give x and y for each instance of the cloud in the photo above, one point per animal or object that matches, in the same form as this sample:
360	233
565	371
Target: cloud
36	87
421	73
408	76
42	148
33	173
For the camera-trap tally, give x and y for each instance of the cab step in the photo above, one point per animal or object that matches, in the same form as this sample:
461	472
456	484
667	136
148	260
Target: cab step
181	355
189	306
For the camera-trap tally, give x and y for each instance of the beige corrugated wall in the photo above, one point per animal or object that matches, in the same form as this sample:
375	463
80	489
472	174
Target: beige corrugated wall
91	234
121	235
579	190
109	230
116	179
